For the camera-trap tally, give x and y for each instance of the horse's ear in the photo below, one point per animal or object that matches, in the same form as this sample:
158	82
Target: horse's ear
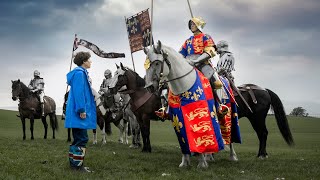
146	50
117	66
121	66
18	80
12	81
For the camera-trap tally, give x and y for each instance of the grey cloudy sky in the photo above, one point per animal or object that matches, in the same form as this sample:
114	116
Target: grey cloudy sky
275	43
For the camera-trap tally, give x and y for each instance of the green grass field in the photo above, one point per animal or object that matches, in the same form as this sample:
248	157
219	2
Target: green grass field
48	159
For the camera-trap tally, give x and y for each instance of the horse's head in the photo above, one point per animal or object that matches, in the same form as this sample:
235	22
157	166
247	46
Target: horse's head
16	89
119	79
157	65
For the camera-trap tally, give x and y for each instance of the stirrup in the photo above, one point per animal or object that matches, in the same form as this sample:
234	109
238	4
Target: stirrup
161	113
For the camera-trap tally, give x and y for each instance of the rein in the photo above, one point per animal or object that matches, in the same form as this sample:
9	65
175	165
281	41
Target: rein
165	60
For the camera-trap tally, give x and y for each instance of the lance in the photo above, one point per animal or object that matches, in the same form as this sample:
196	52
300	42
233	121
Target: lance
239	93
226	88
190	9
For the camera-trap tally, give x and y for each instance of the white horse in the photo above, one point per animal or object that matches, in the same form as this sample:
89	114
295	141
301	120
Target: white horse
164	64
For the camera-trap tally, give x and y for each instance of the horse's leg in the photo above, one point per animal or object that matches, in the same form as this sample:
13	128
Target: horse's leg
233	155
103	133
95	141
121	131
146	123
185	160
125	128
69	135
258	124
202	161
31	127
143	133
135	134
23	120
45	125
263	135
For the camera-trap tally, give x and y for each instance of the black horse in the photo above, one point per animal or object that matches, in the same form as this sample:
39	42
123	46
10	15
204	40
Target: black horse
260	100
143	103
29	107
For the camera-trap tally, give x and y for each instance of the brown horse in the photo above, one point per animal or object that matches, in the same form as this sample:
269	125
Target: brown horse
143	103
29	107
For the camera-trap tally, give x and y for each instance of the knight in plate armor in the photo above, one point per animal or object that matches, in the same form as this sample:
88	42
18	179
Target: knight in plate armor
36	86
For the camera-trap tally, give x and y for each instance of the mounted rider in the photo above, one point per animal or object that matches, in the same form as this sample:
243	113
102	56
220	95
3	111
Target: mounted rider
106	82
104	87
225	65
36	86
198	49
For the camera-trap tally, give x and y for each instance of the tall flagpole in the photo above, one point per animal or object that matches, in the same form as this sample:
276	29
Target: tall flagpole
72	54
134	69
190	9
151	22
75	36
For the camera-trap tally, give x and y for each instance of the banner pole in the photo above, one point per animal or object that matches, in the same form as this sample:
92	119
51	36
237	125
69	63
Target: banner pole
151	22
72	54
134	68
190	9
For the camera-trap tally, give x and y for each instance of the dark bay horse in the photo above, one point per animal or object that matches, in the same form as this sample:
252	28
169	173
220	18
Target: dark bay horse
29	107
143	103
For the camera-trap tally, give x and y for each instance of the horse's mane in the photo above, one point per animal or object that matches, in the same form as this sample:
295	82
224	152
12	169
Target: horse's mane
171	52
139	80
25	89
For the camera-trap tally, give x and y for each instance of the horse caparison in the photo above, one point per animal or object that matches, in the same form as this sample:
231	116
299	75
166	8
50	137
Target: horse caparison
29	108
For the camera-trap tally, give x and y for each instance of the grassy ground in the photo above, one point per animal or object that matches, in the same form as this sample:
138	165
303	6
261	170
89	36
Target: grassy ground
47	159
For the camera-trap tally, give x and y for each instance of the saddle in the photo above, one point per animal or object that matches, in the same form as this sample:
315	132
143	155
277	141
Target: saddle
249	88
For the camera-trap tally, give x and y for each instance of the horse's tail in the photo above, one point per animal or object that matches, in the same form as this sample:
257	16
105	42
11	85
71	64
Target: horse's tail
281	117
54	121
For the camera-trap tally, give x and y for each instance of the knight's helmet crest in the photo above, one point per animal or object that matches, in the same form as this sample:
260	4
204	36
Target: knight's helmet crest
198	21
36	73
222	46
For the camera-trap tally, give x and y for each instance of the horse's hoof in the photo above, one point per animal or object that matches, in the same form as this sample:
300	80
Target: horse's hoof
233	158
95	142
263	157
32	138
182	165
68	140
24	138
45	137
203	165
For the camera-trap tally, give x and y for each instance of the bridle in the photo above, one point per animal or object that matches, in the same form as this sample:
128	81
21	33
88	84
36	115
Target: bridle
165	60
